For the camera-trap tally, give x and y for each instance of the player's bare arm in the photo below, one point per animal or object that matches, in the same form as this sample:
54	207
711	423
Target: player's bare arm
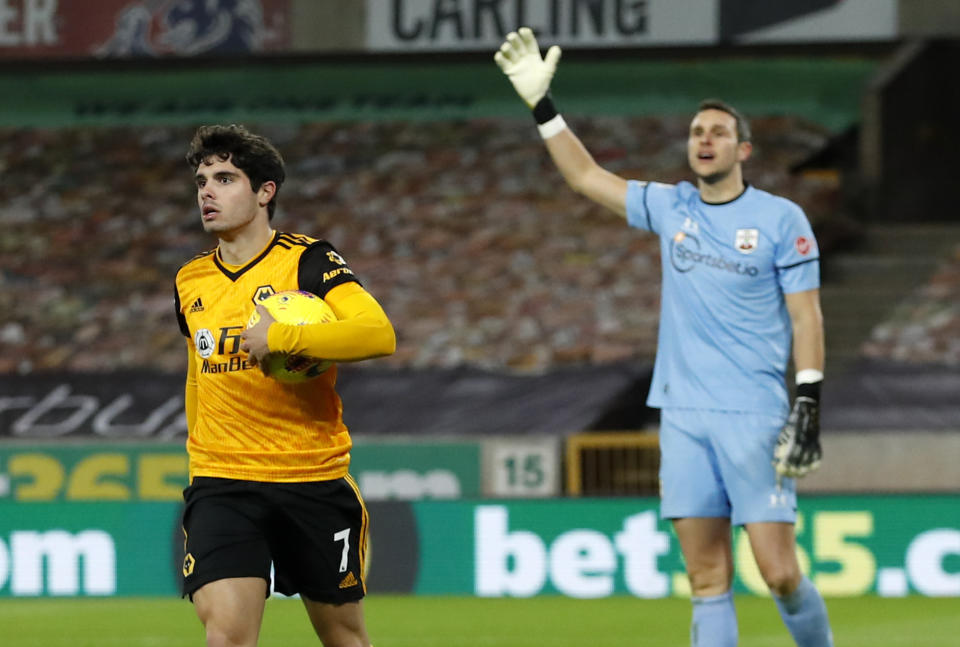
798	450
520	60
253	341
808	338
584	175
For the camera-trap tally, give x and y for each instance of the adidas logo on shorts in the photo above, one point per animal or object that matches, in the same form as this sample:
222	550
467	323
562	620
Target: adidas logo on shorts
348	581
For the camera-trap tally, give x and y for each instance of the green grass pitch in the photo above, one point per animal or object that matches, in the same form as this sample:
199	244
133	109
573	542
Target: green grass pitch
397	621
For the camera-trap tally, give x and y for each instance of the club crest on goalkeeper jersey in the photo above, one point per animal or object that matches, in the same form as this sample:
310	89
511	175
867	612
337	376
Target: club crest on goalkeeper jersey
725	333
249	426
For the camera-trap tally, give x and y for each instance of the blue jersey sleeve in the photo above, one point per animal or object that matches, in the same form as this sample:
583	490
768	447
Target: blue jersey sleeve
647	202
797	254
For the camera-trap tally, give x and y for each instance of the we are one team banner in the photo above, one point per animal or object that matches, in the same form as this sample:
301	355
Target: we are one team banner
850	546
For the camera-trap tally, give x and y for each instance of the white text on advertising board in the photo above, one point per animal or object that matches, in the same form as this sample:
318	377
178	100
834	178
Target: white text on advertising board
56	562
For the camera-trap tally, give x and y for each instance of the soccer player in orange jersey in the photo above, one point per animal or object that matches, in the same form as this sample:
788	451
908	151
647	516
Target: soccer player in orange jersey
269	480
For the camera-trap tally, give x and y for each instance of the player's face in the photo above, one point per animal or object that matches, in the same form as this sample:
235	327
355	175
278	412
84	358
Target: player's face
713	150
227	201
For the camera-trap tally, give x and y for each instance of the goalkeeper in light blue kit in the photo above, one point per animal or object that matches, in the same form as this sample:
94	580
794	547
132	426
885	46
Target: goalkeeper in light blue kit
740	282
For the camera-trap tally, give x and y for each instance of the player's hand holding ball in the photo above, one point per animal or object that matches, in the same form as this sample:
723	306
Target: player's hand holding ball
519	58
291	307
254	338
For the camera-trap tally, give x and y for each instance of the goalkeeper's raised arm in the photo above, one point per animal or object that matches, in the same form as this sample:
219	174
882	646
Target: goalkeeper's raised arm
530	73
733	258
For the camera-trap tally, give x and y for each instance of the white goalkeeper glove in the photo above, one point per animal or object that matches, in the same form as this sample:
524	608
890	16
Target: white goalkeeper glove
519	58
798	449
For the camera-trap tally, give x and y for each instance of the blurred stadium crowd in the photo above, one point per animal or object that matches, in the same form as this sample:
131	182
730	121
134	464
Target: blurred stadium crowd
924	328
464	231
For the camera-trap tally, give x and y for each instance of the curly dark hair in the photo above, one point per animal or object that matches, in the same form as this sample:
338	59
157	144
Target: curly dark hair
253	154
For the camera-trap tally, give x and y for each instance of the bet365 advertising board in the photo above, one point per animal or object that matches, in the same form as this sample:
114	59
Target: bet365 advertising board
103	520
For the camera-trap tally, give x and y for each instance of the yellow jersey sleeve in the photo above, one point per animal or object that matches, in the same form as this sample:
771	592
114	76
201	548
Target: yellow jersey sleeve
190	391
362	330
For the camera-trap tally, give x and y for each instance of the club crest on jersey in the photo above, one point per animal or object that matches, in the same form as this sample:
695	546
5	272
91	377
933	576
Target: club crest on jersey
188	565
747	240
204	342
262	293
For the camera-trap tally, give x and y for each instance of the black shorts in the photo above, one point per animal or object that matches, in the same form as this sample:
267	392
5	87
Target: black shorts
315	534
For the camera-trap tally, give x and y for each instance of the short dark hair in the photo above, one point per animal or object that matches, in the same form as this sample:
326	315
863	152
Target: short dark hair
743	126
253	154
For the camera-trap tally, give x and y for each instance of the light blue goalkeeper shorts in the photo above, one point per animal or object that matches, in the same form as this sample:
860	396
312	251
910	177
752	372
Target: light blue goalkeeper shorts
719	464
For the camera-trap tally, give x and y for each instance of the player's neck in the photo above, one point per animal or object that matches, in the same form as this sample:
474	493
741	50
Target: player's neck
723	190
240	247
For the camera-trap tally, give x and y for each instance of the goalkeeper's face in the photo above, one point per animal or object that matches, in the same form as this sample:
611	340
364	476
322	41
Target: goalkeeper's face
226	199
713	148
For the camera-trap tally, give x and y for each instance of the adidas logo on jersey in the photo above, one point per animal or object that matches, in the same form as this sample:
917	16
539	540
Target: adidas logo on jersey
348	581
197	306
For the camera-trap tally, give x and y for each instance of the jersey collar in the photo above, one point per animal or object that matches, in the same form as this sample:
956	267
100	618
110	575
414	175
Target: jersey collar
235	272
746	187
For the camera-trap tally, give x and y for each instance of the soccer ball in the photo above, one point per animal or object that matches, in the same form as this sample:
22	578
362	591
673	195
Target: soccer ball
294	307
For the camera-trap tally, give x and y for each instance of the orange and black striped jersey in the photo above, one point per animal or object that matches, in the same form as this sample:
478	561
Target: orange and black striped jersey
248	426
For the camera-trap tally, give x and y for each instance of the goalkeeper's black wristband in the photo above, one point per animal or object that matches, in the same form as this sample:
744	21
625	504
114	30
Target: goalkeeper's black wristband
544	111
549	121
808	383
809	390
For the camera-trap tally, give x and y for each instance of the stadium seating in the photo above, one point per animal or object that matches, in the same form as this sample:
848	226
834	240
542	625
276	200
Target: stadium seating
465	232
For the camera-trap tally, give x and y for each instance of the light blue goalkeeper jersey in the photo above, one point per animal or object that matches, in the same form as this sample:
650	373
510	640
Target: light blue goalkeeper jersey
725	333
